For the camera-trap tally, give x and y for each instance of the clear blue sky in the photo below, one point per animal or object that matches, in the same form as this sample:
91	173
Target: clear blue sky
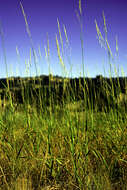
42	19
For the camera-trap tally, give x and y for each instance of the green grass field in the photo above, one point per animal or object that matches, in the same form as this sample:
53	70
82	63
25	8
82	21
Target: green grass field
66	147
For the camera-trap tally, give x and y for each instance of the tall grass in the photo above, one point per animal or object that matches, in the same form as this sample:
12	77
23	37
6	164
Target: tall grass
73	146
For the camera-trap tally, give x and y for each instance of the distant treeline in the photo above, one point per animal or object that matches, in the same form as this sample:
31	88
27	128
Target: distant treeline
44	80
36	89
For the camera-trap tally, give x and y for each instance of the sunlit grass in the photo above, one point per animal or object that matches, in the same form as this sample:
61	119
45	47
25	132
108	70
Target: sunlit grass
79	143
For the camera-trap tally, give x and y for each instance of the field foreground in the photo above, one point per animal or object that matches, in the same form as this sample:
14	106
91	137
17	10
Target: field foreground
72	146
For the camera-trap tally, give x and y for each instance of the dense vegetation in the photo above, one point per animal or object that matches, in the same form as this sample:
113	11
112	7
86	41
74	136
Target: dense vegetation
63	133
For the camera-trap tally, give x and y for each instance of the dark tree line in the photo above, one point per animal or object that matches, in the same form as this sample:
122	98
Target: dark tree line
97	92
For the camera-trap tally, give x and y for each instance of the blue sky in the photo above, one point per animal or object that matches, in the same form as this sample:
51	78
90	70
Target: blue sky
42	19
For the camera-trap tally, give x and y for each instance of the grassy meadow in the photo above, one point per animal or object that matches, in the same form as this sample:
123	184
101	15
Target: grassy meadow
68	142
